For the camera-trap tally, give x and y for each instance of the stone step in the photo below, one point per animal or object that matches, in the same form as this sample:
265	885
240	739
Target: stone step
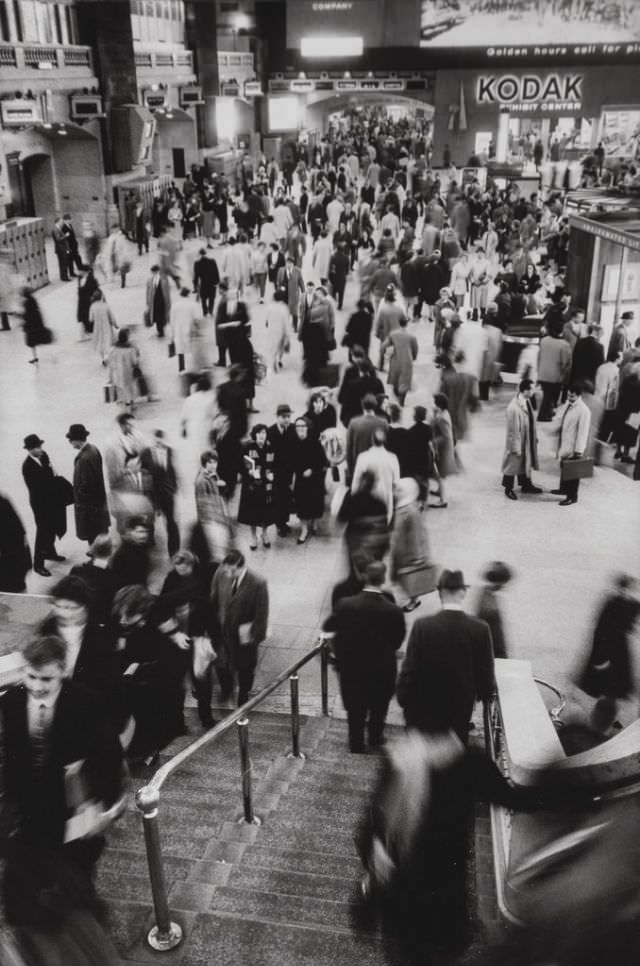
314	777
236	941
338	866
291	835
281	908
291	883
307	813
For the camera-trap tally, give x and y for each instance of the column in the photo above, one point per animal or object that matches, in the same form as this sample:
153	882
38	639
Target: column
201	32
502	140
106	26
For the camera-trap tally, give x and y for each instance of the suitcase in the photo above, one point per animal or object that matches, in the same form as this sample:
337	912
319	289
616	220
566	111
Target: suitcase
110	393
418	581
579	469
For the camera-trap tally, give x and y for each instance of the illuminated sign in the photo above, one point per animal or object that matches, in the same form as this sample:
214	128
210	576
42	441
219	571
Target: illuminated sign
528	89
393	85
16	113
302	86
252	89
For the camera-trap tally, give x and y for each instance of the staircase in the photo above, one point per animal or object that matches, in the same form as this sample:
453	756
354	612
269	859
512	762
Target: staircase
283	892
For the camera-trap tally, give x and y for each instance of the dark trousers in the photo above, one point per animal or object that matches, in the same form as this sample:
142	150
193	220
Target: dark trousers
222	355
208	297
167	509
338	291
44	548
4	318
367	703
507	480
550	393
484	391
245	682
570	488
180	362
63	265
203	688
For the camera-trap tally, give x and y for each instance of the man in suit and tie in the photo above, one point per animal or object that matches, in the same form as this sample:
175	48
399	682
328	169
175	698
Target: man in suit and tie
158	461
48	511
369	629
448	665
62	249
89	493
290	279
240	612
60	750
158	300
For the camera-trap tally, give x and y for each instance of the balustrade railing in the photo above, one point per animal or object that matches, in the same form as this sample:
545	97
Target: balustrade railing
49	56
166	934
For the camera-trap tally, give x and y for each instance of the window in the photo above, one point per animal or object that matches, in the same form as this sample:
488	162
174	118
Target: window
17	14
57	22
72	24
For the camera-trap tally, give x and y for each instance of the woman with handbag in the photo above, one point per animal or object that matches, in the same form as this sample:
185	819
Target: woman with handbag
410	564
123	360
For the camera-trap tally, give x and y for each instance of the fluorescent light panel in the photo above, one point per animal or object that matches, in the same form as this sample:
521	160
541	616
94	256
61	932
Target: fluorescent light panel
334	46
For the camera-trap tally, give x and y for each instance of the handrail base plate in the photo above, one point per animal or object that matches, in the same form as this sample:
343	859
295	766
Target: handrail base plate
161	942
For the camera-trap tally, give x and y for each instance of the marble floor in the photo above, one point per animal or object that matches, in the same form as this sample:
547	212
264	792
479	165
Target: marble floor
563	558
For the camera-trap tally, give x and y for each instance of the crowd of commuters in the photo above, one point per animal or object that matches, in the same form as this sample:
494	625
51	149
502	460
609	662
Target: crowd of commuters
424	248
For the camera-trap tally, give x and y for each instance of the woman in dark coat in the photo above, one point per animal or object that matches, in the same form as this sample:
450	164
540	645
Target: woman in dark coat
87	287
256	497
367	529
320	414
309	465
242	354
222	214
35	331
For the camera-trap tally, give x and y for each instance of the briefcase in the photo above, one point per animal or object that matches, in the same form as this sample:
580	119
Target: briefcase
578	469
418	581
110	393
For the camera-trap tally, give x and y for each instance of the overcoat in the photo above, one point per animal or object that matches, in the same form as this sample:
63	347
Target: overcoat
89	494
521	444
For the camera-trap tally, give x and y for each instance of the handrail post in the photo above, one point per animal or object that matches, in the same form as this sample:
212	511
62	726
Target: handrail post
324	676
165	935
295	717
245	766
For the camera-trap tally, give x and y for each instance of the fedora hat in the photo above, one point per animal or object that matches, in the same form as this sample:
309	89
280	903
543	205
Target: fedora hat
452	580
32	441
77	431
498	573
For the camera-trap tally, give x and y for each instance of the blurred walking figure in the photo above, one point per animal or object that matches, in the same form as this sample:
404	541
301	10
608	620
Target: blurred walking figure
278	322
123	361
213	516
607	674
496	576
410	558
404	352
103	324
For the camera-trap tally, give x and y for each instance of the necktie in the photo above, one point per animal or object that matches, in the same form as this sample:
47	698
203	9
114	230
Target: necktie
234	587
39	737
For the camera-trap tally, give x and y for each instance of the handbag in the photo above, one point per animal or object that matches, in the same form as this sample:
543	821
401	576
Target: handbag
576	469
110	393
143	386
172	349
63	490
146	316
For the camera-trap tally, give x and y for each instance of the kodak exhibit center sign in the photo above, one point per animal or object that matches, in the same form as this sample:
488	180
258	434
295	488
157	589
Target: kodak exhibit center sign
550	92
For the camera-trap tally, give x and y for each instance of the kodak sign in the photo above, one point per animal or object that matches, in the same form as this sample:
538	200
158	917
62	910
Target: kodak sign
528	88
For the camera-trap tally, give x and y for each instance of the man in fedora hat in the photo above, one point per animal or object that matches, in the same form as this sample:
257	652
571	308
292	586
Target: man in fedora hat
89	494
448	664
48	511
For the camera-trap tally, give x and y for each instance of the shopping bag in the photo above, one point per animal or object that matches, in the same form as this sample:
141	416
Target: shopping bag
578	469
203	656
110	393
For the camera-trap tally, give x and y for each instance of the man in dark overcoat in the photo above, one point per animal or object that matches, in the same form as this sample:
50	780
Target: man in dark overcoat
89	494
60	751
240	612
49	511
87	287
158	300
206	278
282	437
448	664
369	629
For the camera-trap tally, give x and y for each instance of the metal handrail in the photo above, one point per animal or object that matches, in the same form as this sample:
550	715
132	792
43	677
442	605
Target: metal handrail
165	934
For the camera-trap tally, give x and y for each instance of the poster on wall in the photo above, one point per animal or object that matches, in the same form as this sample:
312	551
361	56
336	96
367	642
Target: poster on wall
510	23
630	283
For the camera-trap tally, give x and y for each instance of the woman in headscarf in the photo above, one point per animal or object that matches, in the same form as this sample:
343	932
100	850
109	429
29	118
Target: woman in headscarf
309	465
256	498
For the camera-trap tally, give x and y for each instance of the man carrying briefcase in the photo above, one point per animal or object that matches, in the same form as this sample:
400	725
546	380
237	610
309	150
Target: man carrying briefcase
571	425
